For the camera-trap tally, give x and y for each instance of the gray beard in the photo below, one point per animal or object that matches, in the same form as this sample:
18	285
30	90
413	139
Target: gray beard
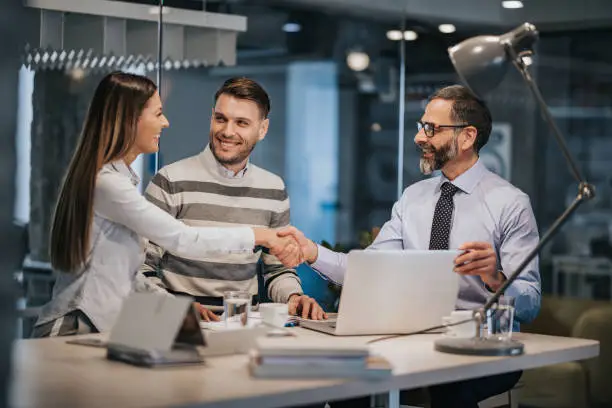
440	157
426	166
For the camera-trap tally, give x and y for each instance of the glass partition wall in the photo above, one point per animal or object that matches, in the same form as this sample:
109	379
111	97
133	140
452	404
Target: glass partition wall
346	91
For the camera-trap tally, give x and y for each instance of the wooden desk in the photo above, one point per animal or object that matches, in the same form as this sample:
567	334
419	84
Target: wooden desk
51	373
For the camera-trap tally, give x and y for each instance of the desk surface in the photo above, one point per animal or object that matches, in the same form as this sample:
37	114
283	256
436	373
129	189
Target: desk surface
49	372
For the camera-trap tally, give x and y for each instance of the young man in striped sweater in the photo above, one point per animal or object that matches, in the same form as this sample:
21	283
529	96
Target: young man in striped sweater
221	187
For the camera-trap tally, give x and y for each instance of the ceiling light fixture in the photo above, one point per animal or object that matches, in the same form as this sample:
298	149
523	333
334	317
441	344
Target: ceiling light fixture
292	27
410	35
394	35
447	28
512	4
358	60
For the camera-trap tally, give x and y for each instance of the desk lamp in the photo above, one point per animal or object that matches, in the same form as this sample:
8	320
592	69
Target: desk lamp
481	63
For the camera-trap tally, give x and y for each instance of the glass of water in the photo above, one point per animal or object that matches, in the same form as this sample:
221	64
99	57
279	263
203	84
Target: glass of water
236	308
500	319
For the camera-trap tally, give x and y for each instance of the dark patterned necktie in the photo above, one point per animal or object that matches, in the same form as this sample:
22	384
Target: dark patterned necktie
441	225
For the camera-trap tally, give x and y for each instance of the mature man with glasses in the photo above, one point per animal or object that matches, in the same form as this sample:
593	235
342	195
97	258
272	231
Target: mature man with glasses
466	207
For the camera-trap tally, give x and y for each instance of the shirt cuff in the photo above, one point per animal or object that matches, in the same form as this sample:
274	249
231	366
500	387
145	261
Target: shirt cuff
487	287
241	240
323	258
330	265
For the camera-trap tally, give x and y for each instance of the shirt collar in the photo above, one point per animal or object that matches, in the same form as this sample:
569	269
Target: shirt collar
122	168
468	180
221	170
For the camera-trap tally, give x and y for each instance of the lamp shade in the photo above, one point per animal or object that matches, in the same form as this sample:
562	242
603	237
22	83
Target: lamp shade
481	62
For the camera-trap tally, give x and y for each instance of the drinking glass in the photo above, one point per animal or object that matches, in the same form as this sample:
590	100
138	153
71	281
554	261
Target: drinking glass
236	308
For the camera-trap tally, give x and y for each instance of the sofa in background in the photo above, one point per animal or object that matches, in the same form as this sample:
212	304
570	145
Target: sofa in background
582	384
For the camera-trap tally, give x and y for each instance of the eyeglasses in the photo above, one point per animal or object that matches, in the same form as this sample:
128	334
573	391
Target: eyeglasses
430	128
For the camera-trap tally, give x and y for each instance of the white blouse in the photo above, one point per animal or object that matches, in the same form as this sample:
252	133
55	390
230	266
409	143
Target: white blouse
123	218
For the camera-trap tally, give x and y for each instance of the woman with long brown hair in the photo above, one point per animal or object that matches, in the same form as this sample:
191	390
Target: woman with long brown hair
101	220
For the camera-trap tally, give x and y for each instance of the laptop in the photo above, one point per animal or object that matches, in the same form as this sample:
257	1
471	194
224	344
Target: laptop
393	292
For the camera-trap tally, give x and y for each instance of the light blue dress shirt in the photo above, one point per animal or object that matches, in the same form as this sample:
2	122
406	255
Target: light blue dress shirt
487	208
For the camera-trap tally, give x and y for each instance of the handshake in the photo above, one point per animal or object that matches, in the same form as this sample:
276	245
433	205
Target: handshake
288	244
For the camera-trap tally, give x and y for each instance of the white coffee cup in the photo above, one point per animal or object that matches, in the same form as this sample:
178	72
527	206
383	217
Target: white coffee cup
274	314
463	330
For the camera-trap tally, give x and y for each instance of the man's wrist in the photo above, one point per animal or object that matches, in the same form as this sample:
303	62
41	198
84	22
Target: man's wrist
313	252
262	236
495	282
292	295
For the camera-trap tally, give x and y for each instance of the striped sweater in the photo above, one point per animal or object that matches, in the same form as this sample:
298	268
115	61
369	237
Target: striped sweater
195	191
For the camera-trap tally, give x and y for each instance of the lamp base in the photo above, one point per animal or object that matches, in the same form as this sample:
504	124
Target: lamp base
476	346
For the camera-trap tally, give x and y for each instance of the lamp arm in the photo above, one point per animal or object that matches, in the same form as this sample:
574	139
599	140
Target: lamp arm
516	60
583	195
585	190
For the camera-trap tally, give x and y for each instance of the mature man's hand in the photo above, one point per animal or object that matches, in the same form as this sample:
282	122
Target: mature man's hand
479	259
285	247
309	248
306	307
287	250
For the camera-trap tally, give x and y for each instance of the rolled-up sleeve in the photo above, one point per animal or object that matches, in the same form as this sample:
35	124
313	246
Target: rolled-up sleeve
116	199
520	236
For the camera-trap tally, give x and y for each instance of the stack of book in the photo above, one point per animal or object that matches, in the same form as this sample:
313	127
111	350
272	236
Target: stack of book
311	357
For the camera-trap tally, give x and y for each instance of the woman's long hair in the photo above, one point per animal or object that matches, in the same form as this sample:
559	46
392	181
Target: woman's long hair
108	135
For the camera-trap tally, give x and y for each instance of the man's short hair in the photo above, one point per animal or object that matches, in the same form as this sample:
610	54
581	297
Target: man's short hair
245	88
467	108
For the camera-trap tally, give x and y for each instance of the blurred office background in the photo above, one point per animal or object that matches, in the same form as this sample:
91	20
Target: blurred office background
333	70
